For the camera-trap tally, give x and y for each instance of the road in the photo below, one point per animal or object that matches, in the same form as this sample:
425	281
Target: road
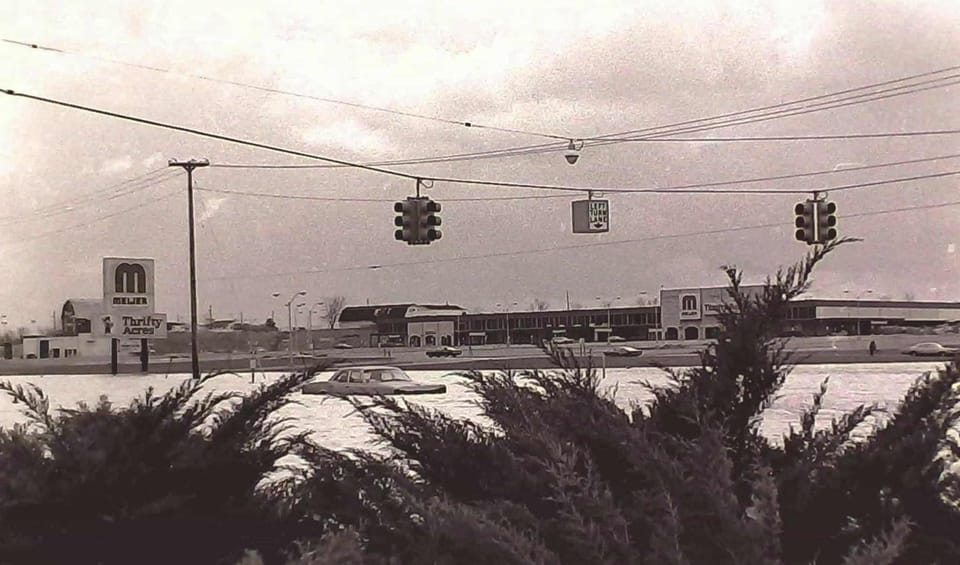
812	350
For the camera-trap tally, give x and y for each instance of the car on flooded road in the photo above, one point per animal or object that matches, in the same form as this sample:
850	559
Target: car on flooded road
625	351
445	351
929	349
375	380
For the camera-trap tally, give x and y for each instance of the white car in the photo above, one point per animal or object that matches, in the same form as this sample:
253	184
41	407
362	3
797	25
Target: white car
625	351
371	381
929	349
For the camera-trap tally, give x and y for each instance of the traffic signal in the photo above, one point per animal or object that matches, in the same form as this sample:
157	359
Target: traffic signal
805	222
407	221
430	221
417	220
826	221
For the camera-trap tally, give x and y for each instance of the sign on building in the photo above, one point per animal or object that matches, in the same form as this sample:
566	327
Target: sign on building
690	306
591	216
128	301
131	326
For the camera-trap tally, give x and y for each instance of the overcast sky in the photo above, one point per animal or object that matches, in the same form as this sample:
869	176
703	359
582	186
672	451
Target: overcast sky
571	69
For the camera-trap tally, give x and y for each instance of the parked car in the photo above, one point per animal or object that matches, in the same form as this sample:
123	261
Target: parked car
929	349
561	340
616	339
625	351
343	346
371	381
445	351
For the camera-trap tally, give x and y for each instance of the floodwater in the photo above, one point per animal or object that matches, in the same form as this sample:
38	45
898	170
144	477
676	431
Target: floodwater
336	425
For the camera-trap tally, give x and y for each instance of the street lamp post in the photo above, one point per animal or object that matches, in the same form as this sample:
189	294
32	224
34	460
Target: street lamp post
289	306
507	312
310	323
608	314
859	311
609	303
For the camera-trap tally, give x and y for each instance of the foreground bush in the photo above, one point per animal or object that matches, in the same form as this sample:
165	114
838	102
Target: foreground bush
169	479
563	475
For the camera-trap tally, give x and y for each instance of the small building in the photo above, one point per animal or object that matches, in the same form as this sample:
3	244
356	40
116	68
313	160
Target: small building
691	313
76	318
818	316
535	327
414	325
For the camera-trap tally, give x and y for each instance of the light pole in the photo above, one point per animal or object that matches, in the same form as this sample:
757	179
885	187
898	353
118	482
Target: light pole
289	306
296	322
857	298
609	326
310	323
189	166
507	312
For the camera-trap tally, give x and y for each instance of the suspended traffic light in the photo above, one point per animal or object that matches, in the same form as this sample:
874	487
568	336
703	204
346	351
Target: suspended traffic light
805	222
826	221
409	212
431	221
417	220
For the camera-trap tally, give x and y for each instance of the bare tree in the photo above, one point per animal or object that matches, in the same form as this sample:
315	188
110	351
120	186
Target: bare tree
333	306
540	304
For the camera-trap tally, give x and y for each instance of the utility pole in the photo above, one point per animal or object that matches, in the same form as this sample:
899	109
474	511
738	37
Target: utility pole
189	166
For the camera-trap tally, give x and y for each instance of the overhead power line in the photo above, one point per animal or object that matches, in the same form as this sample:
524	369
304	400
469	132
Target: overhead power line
462	123
420	262
264	146
87	196
97	200
602	139
784	106
616	190
726	182
659	133
680	190
378	200
87	223
876	135
238	141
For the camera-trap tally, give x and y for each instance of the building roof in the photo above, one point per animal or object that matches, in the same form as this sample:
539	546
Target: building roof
87	308
875	303
372	313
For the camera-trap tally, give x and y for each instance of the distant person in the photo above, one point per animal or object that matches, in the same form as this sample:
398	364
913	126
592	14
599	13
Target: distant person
873	347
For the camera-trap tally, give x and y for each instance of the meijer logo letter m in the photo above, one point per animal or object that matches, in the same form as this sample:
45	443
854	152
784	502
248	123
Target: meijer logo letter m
130	278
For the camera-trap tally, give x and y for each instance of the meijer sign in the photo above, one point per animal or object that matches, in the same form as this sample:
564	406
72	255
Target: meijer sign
128	285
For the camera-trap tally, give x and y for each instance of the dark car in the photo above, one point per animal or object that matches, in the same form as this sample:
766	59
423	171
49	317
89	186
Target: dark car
343	346
445	351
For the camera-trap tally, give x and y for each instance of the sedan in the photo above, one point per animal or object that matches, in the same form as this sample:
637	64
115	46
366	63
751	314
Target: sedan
371	381
625	351
445	351
343	346
930	349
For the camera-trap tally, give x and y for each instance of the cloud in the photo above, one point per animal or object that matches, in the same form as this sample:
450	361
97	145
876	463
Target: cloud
116	165
153	160
210	205
350	135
